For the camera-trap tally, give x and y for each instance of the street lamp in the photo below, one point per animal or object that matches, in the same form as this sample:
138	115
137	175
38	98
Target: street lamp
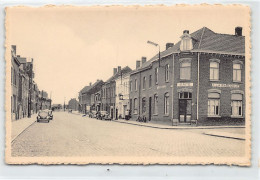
155	44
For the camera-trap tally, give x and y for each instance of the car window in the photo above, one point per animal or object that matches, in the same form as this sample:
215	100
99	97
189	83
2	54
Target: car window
43	113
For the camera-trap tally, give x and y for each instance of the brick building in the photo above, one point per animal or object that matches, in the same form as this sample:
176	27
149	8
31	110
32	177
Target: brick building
199	79
84	99
95	95
109	92
14	83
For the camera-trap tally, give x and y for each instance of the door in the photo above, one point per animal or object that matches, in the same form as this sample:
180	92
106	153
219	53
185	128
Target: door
124	110
150	109
184	110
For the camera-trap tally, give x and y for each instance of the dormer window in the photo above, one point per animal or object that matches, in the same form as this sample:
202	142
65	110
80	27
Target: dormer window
186	41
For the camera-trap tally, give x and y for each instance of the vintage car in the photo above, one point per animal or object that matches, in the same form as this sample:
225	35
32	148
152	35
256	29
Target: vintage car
50	115
93	114
43	115
103	115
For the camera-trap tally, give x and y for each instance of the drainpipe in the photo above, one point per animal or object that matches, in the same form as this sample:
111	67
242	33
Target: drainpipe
172	85
198	85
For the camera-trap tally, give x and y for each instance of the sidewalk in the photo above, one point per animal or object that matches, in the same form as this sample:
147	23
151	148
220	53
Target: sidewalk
20	125
225	135
160	126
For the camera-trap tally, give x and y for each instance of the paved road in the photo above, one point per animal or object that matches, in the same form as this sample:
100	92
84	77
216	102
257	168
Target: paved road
74	135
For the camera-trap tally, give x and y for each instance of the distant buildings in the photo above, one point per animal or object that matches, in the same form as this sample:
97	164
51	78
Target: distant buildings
26	99
73	104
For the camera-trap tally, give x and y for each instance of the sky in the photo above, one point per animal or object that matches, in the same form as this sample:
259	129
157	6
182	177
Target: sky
73	46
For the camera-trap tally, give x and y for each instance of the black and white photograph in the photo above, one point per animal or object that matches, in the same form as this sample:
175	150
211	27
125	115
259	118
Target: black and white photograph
128	85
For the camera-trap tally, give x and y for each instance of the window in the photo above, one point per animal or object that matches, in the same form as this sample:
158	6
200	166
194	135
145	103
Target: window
237	70
186	42
213	104
135	106
144	81
166	103
167	72
236	105
131	86
143	105
155	104
150	81
214	70
185	70
136	84
185	95
156	75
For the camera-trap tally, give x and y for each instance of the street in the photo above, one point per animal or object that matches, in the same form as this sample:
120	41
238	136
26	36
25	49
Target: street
73	135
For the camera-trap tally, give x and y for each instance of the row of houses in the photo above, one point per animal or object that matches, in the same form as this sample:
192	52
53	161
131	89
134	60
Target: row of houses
200	79
26	98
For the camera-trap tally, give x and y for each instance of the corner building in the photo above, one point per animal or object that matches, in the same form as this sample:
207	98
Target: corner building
201	79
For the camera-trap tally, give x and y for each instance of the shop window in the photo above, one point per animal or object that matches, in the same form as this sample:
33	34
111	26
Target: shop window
185	70
150	81
236	104
167	72
144	82
213	104
143	105
237	71
166	103
156	75
155	104
135	106
214	70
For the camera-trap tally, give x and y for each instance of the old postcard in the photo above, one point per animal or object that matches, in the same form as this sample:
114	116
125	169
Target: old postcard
128	85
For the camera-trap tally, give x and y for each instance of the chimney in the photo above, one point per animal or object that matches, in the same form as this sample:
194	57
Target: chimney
186	32
143	60
168	45
138	63
90	84
238	31
115	71
119	69
18	56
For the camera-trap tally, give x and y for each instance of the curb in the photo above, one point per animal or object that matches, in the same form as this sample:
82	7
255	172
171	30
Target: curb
217	127
22	131
216	135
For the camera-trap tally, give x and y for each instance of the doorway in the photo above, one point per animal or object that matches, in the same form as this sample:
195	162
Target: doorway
185	107
150	109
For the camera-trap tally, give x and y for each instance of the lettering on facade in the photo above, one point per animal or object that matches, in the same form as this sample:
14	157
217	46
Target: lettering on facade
225	85
161	87
184	84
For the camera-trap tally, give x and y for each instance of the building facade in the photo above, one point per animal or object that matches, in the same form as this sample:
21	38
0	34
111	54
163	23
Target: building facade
200	79
109	92
122	94
95	93
14	83
84	100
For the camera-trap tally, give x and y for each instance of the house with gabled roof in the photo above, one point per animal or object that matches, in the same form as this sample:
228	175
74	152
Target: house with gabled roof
199	80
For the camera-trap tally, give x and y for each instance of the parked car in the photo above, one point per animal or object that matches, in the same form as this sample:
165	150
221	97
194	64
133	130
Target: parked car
43	115
127	114
93	114
50	115
105	115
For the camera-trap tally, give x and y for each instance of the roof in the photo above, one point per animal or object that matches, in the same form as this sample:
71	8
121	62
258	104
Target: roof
85	89
95	84
205	40
123	71
22	60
